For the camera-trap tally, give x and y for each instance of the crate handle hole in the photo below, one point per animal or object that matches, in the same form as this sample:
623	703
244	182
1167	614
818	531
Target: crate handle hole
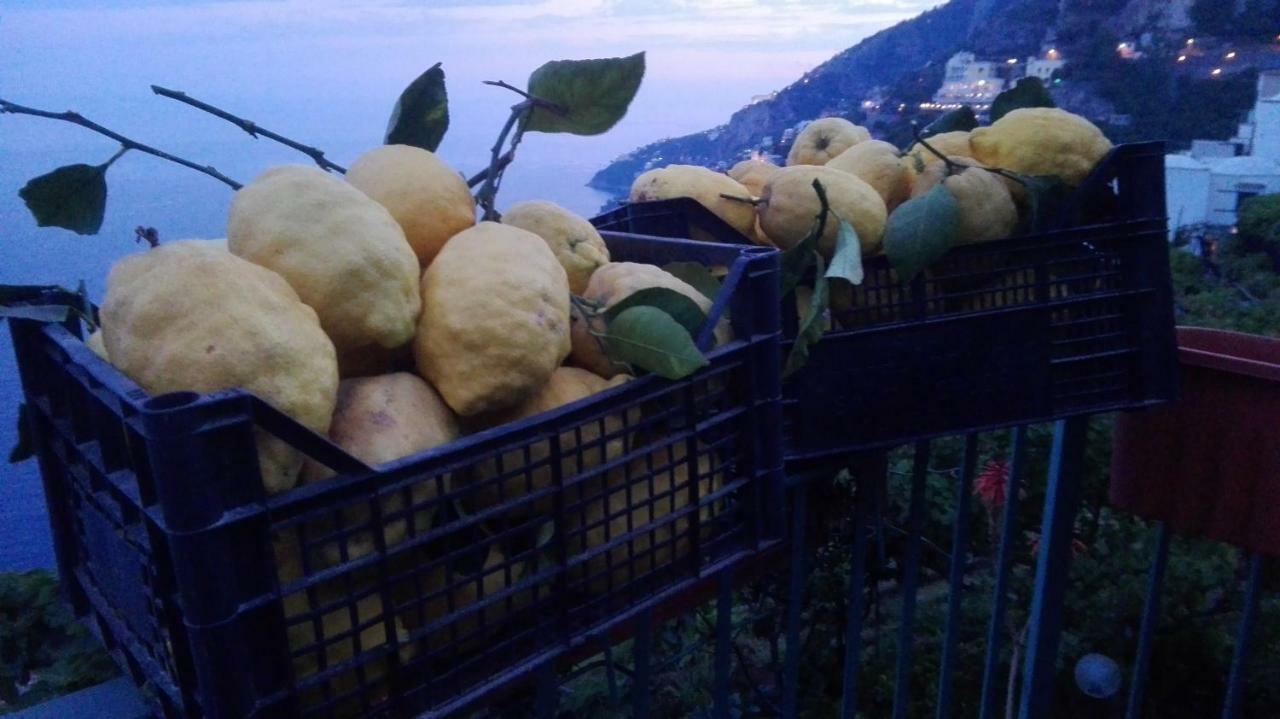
172	400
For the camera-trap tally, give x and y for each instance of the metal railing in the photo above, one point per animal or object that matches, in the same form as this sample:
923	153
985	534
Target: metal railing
637	671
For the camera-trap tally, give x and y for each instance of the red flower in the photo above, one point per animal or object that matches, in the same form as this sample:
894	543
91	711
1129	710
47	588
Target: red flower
990	484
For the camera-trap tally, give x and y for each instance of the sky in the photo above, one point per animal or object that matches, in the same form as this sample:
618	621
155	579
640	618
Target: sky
320	66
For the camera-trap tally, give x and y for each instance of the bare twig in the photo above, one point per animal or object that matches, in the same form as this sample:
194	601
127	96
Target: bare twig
149	235
954	167
125	143
251	127
493	176
536	101
744	200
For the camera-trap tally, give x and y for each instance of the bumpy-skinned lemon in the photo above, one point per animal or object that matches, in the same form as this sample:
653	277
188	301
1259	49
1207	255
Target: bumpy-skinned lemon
790	204
610	285
378	420
338	619
495	319
987	210
341	251
632	505
428	198
823	139
189	317
952	144
1042	141
576	243
877	163
580	449
705	186
753	173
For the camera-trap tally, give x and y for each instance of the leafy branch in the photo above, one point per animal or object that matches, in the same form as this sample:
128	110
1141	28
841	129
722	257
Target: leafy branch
254	129
126	143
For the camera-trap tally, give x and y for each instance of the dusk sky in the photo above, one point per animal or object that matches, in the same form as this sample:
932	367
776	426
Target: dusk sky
317	65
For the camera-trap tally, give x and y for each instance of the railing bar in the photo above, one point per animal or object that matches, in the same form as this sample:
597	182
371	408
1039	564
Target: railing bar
724	641
795	594
867	488
1044	629
1000	599
955	582
910	581
640	680
1235	684
1150	620
548	692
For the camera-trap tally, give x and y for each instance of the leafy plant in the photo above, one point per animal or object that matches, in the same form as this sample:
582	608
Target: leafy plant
44	652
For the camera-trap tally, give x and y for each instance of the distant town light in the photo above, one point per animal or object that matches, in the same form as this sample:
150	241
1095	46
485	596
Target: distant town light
1052	54
982	82
1216	71
1012	61
1122	47
1231	55
1191	41
1182	58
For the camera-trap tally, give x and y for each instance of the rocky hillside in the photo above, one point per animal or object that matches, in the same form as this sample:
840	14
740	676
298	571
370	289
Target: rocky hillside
895	70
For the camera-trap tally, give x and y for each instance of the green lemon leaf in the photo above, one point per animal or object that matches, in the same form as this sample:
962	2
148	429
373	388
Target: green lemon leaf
1044	194
697	275
651	340
811	325
591	95
921	230
1029	92
24	448
959	120
681	309
846	263
73	197
39	313
421	115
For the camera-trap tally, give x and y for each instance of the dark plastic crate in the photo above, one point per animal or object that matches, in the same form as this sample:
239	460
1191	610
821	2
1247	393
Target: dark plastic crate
222	602
1074	319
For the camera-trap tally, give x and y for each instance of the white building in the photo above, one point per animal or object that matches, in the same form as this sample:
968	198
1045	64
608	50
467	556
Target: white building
1208	184
1043	67
969	81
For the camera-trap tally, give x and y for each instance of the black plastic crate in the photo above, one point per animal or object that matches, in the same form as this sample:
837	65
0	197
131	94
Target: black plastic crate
423	585
1074	319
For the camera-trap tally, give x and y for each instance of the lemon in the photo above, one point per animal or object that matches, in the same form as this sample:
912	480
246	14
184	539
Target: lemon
823	139
575	242
1042	141
428	198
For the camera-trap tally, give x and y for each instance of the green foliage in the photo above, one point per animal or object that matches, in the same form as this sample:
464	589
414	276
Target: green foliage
421	115
1237	289
683	310
590	96
1213	17
811	324
73	197
920	231
1029	92
650	339
1259	225
846	262
44	652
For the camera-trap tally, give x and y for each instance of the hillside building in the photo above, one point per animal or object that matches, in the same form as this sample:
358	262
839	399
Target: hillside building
1207	184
